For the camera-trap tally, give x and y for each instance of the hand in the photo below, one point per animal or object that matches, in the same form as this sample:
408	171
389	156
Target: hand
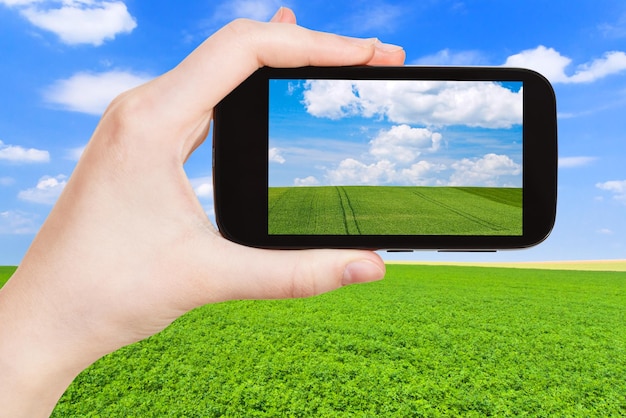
127	249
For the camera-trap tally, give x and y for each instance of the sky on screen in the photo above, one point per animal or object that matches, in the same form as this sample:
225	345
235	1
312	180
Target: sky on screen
64	60
372	132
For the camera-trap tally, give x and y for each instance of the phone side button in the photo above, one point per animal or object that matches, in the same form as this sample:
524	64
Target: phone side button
399	251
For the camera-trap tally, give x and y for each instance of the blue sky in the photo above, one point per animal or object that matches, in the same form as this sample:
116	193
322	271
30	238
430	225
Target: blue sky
384	133
62	61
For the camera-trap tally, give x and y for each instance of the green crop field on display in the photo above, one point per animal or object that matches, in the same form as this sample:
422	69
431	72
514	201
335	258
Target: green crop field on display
394	210
426	341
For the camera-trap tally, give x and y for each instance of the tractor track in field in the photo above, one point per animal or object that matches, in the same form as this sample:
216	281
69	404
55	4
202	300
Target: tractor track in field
472	218
348	211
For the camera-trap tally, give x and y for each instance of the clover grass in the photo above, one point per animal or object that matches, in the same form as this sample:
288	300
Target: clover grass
426	341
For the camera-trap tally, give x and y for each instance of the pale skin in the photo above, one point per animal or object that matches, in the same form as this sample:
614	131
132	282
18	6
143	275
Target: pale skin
127	248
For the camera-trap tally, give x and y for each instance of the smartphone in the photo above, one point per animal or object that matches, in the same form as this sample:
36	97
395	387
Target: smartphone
387	158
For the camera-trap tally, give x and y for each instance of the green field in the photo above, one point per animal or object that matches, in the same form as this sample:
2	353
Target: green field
390	210
426	341
5	274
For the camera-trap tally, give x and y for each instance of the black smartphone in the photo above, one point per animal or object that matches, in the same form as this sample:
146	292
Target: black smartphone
387	158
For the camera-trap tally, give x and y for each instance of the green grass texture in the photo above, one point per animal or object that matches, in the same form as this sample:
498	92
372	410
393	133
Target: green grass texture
5	273
391	210
427	341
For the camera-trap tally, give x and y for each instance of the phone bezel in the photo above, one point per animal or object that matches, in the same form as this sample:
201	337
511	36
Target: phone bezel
240	160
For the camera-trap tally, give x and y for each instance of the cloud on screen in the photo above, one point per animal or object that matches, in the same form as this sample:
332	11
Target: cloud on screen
430	103
412	148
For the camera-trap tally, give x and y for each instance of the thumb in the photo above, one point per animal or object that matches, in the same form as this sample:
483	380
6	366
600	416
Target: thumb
251	273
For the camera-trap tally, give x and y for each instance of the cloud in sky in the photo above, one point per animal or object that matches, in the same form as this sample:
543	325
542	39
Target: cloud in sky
485	171
573	162
351	171
375	18
307	181
92	92
275	157
47	190
448	57
77	21
252	9
430	103
74	154
394	157
203	187
18	222
403	143
490	170
616	187
553	65
18	154
615	29
423	173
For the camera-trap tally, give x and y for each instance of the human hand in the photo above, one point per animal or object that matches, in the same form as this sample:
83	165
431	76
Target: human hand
127	249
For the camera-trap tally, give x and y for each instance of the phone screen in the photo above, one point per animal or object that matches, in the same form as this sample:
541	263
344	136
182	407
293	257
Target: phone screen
395	157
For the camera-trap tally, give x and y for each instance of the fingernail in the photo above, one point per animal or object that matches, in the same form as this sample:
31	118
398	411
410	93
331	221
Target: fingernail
387	47
362	271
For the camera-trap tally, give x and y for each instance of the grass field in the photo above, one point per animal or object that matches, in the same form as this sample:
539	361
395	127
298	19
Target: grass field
426	341
5	274
389	210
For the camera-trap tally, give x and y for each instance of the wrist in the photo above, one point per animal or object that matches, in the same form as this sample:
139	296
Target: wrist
37	359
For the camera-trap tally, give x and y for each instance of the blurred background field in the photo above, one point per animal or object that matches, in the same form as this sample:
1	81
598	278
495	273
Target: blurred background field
586	265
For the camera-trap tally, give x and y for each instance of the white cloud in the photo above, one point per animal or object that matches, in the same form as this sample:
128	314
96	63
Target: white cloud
275	157
605	231
19	2
203	187
485	171
307	181
377	17
419	174
332	99
573	162
616	187
616	29
47	190
252	9
552	65
430	103
447	57
6	181
74	154
18	222
78	21
92	92
17	154
612	63
403	143
353	172
204	191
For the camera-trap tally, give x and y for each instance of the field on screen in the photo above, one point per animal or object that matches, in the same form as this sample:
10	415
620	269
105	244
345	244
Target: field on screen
391	210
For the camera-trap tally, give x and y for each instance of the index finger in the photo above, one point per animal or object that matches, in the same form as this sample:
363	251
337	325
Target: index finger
233	53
